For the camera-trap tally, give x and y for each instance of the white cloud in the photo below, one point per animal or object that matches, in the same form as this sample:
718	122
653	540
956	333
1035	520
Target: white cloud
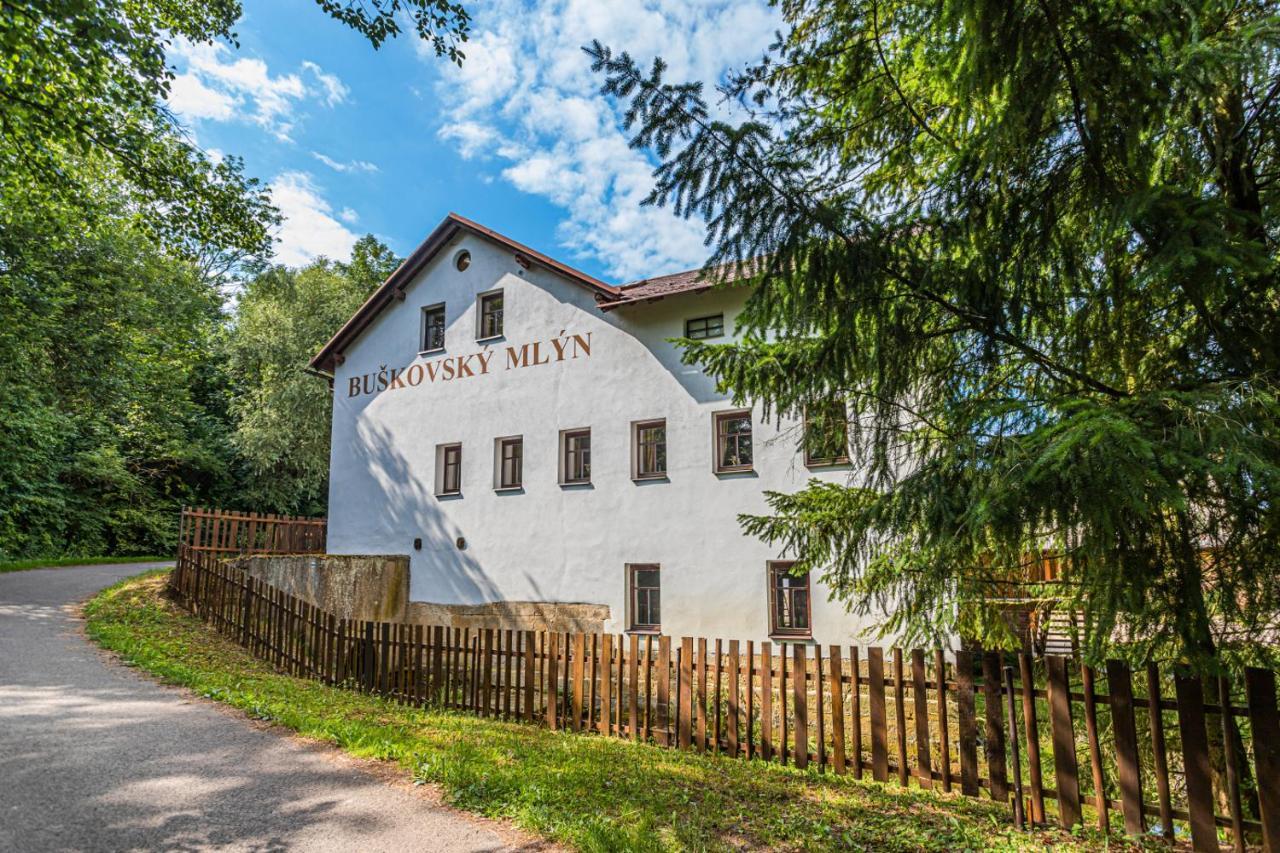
348	216
349	166
309	229
526	97
218	86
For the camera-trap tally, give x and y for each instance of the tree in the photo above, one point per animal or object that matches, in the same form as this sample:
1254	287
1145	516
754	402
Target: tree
87	78
110	422
1033	248
282	414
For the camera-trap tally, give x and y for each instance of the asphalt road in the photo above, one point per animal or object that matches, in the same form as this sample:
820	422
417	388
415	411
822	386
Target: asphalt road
95	756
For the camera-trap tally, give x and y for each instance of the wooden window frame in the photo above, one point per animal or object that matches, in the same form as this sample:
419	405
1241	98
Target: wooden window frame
428	311
777	568
565	437
706	333
821	462
636	449
481	300
442	468
500	446
716	419
634	626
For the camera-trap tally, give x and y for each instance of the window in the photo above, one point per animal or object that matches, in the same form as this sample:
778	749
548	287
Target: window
433	328
788	602
490	315
700	328
510	462
462	260
448	469
645	597
733	441
575	455
649	439
826	434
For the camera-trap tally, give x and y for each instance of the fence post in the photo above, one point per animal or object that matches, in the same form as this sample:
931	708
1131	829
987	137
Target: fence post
1128	767
996	767
966	715
1195	755
1064	743
1019	817
879	722
800	692
1260	688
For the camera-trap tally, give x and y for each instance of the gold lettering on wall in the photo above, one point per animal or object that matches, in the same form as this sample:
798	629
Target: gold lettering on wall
450	368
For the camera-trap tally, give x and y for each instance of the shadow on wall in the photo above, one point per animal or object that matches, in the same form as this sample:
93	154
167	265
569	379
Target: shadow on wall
448	572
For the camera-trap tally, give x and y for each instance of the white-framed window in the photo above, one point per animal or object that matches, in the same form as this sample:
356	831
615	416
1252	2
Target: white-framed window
701	328
732	437
789	602
508	462
575	456
644	597
489	316
649	450
826	434
433	328
448	469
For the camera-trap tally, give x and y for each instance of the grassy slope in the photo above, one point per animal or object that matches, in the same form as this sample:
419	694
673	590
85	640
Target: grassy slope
590	792
55	562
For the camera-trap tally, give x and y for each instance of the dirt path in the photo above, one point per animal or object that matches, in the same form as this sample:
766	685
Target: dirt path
94	756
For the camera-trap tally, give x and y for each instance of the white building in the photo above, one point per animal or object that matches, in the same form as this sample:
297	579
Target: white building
526	434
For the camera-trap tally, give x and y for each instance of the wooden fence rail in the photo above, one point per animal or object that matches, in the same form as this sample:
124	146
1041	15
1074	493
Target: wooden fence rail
947	720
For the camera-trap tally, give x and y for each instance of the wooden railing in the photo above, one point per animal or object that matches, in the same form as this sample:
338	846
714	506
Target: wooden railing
962	721
225	533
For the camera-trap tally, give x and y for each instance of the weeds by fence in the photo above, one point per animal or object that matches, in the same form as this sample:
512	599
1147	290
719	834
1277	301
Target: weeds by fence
968	720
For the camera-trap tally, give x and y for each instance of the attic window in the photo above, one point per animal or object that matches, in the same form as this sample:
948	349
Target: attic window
462	260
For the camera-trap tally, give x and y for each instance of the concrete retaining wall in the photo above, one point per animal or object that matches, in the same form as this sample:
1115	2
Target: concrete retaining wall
377	588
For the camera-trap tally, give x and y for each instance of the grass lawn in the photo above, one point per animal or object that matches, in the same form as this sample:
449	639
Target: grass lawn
54	562
589	792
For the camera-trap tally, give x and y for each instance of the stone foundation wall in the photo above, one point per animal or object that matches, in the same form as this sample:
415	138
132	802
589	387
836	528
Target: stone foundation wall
351	587
377	588
518	615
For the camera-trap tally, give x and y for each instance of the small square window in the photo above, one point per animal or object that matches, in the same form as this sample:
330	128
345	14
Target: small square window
826	434
701	328
649	443
509	462
433	328
644	597
490	320
733	441
448	469
575	456
789	598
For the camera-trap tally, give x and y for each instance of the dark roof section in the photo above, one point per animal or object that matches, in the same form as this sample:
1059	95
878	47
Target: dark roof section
393	287
652	289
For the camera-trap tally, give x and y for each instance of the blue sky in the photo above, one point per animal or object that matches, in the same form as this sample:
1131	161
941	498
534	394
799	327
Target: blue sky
357	141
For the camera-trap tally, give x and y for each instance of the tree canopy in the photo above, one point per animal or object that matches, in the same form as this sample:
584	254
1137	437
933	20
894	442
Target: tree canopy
1032	246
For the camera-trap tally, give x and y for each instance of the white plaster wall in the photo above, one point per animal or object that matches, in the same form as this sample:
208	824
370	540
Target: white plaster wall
548	542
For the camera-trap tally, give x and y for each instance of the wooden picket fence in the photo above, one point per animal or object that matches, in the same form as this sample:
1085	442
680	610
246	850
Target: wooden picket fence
224	533
966	721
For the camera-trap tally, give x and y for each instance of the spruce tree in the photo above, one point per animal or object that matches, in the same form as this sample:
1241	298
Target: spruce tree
1032	246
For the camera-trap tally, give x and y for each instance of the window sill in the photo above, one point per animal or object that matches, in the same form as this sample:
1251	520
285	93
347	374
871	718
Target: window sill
791	638
575	484
644	632
490	339
435	351
651	478
456	494
826	463
519	488
744	469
